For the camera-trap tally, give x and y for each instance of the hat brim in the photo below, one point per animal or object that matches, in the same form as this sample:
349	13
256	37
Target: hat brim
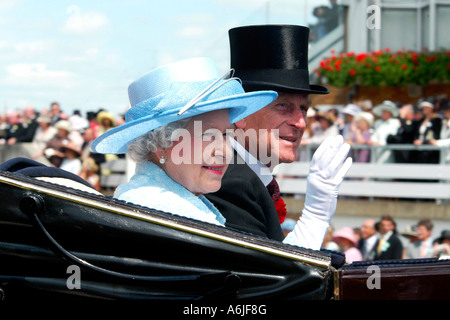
379	109
260	85
116	140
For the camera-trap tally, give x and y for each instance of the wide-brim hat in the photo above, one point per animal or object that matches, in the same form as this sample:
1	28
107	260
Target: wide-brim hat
44	118
346	233
367	116
106	115
352	109
158	98
63	124
426	104
70	145
272	57
410	230
386	105
445	234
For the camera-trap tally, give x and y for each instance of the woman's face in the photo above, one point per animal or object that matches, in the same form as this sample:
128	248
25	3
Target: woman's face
363	125
200	155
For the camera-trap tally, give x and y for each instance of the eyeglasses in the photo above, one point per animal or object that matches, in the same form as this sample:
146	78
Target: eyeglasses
209	89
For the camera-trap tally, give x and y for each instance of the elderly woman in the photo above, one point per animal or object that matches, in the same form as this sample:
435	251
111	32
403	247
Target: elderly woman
175	131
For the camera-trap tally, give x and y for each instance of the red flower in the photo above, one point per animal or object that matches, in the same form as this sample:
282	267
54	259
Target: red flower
281	209
361	56
404	66
352	72
377	68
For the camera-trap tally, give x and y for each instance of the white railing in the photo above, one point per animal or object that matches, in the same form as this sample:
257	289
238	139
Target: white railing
382	180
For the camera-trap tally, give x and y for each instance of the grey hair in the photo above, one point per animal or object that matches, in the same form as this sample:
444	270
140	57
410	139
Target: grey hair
141	148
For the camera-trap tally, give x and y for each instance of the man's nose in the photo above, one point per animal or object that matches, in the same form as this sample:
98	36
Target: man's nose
297	119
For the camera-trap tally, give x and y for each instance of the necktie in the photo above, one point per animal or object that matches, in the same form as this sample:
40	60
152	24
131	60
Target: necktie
380	245
423	249
274	189
280	206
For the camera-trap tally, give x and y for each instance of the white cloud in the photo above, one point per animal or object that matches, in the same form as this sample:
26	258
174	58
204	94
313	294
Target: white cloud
84	22
8	4
191	31
31	47
23	47
36	74
86	56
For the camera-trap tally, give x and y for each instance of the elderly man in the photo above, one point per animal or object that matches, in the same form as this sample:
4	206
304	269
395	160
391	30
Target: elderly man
272	57
368	239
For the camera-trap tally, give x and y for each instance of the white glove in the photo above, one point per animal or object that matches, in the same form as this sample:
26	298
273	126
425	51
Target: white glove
329	165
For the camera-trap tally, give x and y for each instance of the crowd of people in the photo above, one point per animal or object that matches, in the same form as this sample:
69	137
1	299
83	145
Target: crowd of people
380	240
63	140
426	122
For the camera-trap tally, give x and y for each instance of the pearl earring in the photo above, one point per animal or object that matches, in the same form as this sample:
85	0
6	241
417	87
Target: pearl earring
162	160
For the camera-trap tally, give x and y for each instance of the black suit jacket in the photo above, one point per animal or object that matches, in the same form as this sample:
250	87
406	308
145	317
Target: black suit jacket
245	202
395	250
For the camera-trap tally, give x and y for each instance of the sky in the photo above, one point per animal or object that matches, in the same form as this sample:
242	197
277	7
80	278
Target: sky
84	53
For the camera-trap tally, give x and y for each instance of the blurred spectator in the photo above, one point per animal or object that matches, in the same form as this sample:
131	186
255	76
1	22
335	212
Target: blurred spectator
328	242
326	129
444	138
405	134
53	151
56	113
89	171
388	124
328	19
71	161
388	246
3	128
369	238
312	126
44	133
360	134
77	122
429	128
410	232
13	127
366	105
347	242
339	122
333	15
321	28
350	111
21	126
93	124
106	121
29	123
423	247
441	245
89	136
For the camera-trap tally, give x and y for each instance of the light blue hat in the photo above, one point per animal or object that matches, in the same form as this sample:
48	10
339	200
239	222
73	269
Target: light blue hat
177	91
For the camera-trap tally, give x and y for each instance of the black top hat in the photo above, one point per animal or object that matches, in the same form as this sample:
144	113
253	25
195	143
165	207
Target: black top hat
272	57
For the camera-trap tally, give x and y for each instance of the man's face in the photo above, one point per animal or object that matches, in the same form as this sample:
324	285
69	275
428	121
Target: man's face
386	226
287	114
423	233
368	229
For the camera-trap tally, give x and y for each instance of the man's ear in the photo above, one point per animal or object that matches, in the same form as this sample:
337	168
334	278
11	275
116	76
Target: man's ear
241	124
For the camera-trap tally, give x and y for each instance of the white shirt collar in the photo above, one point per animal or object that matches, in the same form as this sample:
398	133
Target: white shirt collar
260	169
